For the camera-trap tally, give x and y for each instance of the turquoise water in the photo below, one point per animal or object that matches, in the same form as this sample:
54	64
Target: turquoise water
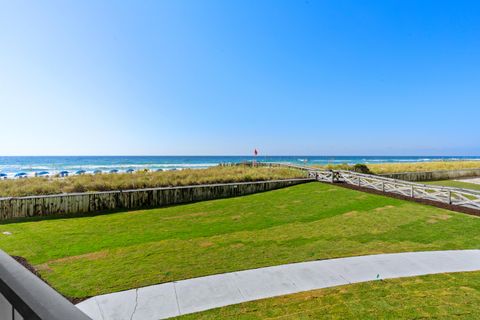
32	165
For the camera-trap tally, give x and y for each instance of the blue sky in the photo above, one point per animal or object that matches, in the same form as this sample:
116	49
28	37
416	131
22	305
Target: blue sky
223	77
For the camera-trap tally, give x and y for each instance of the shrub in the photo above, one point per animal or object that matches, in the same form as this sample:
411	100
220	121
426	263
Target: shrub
361	168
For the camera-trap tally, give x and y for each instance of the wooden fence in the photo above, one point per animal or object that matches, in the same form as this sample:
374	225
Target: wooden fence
19	207
434	175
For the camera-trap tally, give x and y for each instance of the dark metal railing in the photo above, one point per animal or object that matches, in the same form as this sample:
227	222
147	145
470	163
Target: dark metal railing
24	296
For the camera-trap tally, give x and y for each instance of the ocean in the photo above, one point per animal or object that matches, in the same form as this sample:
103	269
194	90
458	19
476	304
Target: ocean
12	165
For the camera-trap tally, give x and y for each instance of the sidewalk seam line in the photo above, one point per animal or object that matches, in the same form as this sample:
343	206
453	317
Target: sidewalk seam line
99	308
176	297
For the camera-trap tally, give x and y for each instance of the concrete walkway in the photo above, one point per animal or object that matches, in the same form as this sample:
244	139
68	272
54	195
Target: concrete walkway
470	180
193	295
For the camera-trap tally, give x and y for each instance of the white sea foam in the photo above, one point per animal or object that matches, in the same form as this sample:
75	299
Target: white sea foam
146	165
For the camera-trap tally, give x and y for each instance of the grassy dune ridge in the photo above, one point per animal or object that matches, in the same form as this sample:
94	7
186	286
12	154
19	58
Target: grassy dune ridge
125	181
218	174
385	168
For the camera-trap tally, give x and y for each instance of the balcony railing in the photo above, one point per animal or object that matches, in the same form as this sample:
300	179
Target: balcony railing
23	296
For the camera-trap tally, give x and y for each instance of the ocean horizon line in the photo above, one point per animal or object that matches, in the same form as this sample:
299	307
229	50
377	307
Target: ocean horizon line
248	155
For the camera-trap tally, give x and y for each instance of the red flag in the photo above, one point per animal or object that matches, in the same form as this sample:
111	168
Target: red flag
255	152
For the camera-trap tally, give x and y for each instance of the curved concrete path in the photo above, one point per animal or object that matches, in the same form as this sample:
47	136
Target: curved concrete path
193	295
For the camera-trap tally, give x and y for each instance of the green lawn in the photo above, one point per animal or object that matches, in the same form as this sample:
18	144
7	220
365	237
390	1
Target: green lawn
444	296
87	256
456	184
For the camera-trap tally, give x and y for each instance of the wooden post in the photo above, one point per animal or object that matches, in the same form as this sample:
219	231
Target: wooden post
383	186
412	193
449	197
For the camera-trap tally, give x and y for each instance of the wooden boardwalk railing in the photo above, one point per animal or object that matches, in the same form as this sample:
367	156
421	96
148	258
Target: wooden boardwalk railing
449	195
453	196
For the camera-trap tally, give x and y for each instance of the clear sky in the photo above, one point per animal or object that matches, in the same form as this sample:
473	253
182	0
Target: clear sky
207	77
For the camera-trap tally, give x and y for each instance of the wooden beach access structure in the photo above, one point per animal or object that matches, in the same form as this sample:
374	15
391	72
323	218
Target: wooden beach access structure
448	195
458	197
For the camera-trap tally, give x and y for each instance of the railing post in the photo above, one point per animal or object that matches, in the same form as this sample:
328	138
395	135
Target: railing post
449	197
383	186
359	182
412	192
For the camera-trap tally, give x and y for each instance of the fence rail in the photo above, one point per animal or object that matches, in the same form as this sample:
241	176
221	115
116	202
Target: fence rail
449	195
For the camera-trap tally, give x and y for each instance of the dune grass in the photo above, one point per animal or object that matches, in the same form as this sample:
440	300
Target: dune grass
92	255
442	296
385	168
124	181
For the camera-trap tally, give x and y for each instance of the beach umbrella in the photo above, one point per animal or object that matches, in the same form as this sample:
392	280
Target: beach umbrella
42	173
20	174
113	171
3	175
63	173
130	170
158	170
80	172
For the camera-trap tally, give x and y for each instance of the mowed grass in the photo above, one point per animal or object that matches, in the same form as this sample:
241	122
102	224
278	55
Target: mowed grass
137	180
443	296
87	256
456	184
